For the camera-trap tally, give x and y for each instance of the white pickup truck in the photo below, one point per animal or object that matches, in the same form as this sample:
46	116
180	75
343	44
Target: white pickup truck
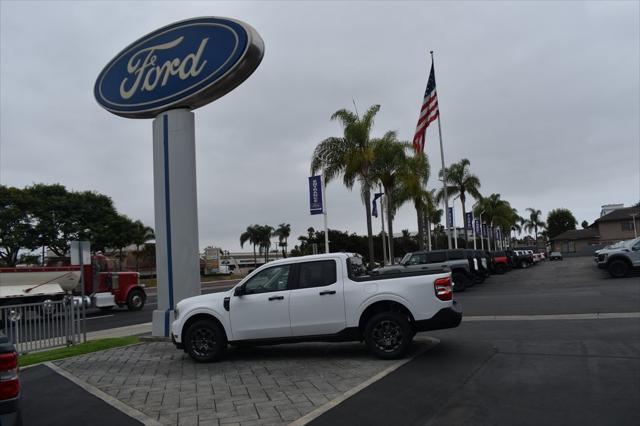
325	297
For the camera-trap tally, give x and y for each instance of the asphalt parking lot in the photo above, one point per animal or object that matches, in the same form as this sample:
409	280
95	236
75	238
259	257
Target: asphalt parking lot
555	344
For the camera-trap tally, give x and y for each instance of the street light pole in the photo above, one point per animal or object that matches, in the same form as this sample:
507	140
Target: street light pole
635	230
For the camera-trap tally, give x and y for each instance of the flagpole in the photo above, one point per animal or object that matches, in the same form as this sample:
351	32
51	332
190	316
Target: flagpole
444	180
384	244
324	213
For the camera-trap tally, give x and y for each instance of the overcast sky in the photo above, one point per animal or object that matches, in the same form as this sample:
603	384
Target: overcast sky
542	97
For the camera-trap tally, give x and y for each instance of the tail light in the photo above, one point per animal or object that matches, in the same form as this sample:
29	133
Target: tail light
443	289
9	382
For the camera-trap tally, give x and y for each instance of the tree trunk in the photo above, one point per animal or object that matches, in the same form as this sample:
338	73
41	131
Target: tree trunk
464	219
255	257
420	226
367	207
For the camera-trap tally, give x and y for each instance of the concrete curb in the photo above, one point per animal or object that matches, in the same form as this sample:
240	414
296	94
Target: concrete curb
334	402
131	412
129	330
589	316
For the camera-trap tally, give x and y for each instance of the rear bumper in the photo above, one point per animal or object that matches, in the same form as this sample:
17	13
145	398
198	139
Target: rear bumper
445	318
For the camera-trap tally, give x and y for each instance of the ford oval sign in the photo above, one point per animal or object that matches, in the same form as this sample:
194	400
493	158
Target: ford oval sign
183	65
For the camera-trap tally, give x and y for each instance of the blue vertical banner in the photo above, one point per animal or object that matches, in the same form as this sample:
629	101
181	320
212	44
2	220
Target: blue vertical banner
374	206
468	221
484	230
450	217
476	224
315	195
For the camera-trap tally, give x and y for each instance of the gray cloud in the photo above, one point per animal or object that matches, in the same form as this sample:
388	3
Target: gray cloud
543	98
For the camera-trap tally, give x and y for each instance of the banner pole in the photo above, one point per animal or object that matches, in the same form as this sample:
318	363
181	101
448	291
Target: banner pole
384	244
444	179
324	213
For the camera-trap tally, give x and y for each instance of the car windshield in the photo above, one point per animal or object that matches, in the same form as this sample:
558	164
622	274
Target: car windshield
405	259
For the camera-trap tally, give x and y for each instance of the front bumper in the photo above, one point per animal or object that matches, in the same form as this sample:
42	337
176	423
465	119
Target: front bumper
445	318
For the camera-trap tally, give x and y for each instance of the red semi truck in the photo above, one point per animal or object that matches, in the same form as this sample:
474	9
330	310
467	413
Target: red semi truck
103	287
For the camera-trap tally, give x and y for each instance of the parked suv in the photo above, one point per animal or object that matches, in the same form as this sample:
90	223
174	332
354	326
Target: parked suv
454	260
620	260
501	262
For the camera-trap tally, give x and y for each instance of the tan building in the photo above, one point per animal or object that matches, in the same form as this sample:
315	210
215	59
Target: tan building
614	226
618	225
576	241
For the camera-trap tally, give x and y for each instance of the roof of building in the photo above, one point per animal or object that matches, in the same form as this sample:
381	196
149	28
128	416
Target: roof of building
620	214
578	234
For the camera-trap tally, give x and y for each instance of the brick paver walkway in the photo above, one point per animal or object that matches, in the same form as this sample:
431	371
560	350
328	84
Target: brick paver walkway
265	385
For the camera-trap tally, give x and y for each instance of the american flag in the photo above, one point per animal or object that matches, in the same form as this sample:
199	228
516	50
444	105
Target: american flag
428	112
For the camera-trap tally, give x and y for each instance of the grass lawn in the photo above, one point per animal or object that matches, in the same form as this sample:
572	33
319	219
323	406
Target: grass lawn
82	348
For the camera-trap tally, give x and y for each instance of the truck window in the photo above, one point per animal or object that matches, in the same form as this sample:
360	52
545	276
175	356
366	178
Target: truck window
268	280
356	267
317	274
435	257
417	259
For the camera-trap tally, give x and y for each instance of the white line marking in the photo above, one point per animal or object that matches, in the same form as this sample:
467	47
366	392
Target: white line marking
334	402
141	417
101	316
556	317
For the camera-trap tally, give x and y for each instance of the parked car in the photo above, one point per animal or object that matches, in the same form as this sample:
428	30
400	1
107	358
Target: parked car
329	297
555	255
10	414
456	261
620	260
523	259
501	262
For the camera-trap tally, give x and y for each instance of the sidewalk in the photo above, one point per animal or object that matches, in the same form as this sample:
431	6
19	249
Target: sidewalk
261	385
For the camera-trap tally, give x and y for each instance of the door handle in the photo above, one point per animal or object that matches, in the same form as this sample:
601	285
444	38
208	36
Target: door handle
276	298
322	293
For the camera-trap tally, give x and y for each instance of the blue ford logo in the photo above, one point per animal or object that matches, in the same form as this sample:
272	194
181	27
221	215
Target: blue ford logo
183	65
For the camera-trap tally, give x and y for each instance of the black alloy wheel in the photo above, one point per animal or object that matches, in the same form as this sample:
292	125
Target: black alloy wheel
205	342
618	268
388	335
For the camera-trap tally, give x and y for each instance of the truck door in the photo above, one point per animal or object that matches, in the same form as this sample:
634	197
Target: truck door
263	311
317	299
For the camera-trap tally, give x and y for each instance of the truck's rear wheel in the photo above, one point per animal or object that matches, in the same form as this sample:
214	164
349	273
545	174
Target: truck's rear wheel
388	335
204	341
460	281
135	299
618	268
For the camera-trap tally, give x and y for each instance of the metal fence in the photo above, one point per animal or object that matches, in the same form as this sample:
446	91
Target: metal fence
49	324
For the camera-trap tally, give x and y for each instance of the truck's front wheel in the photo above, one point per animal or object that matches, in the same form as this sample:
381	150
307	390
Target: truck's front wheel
618	268
135	299
205	341
388	335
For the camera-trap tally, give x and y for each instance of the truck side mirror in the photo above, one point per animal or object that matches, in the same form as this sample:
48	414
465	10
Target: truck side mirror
239	291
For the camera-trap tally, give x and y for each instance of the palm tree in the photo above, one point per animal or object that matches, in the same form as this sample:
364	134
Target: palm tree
496	211
141	234
283	232
461	182
265	232
412	183
389	164
534	221
351	156
252	235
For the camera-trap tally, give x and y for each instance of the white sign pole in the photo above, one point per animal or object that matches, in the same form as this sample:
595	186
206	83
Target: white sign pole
324	213
176	214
